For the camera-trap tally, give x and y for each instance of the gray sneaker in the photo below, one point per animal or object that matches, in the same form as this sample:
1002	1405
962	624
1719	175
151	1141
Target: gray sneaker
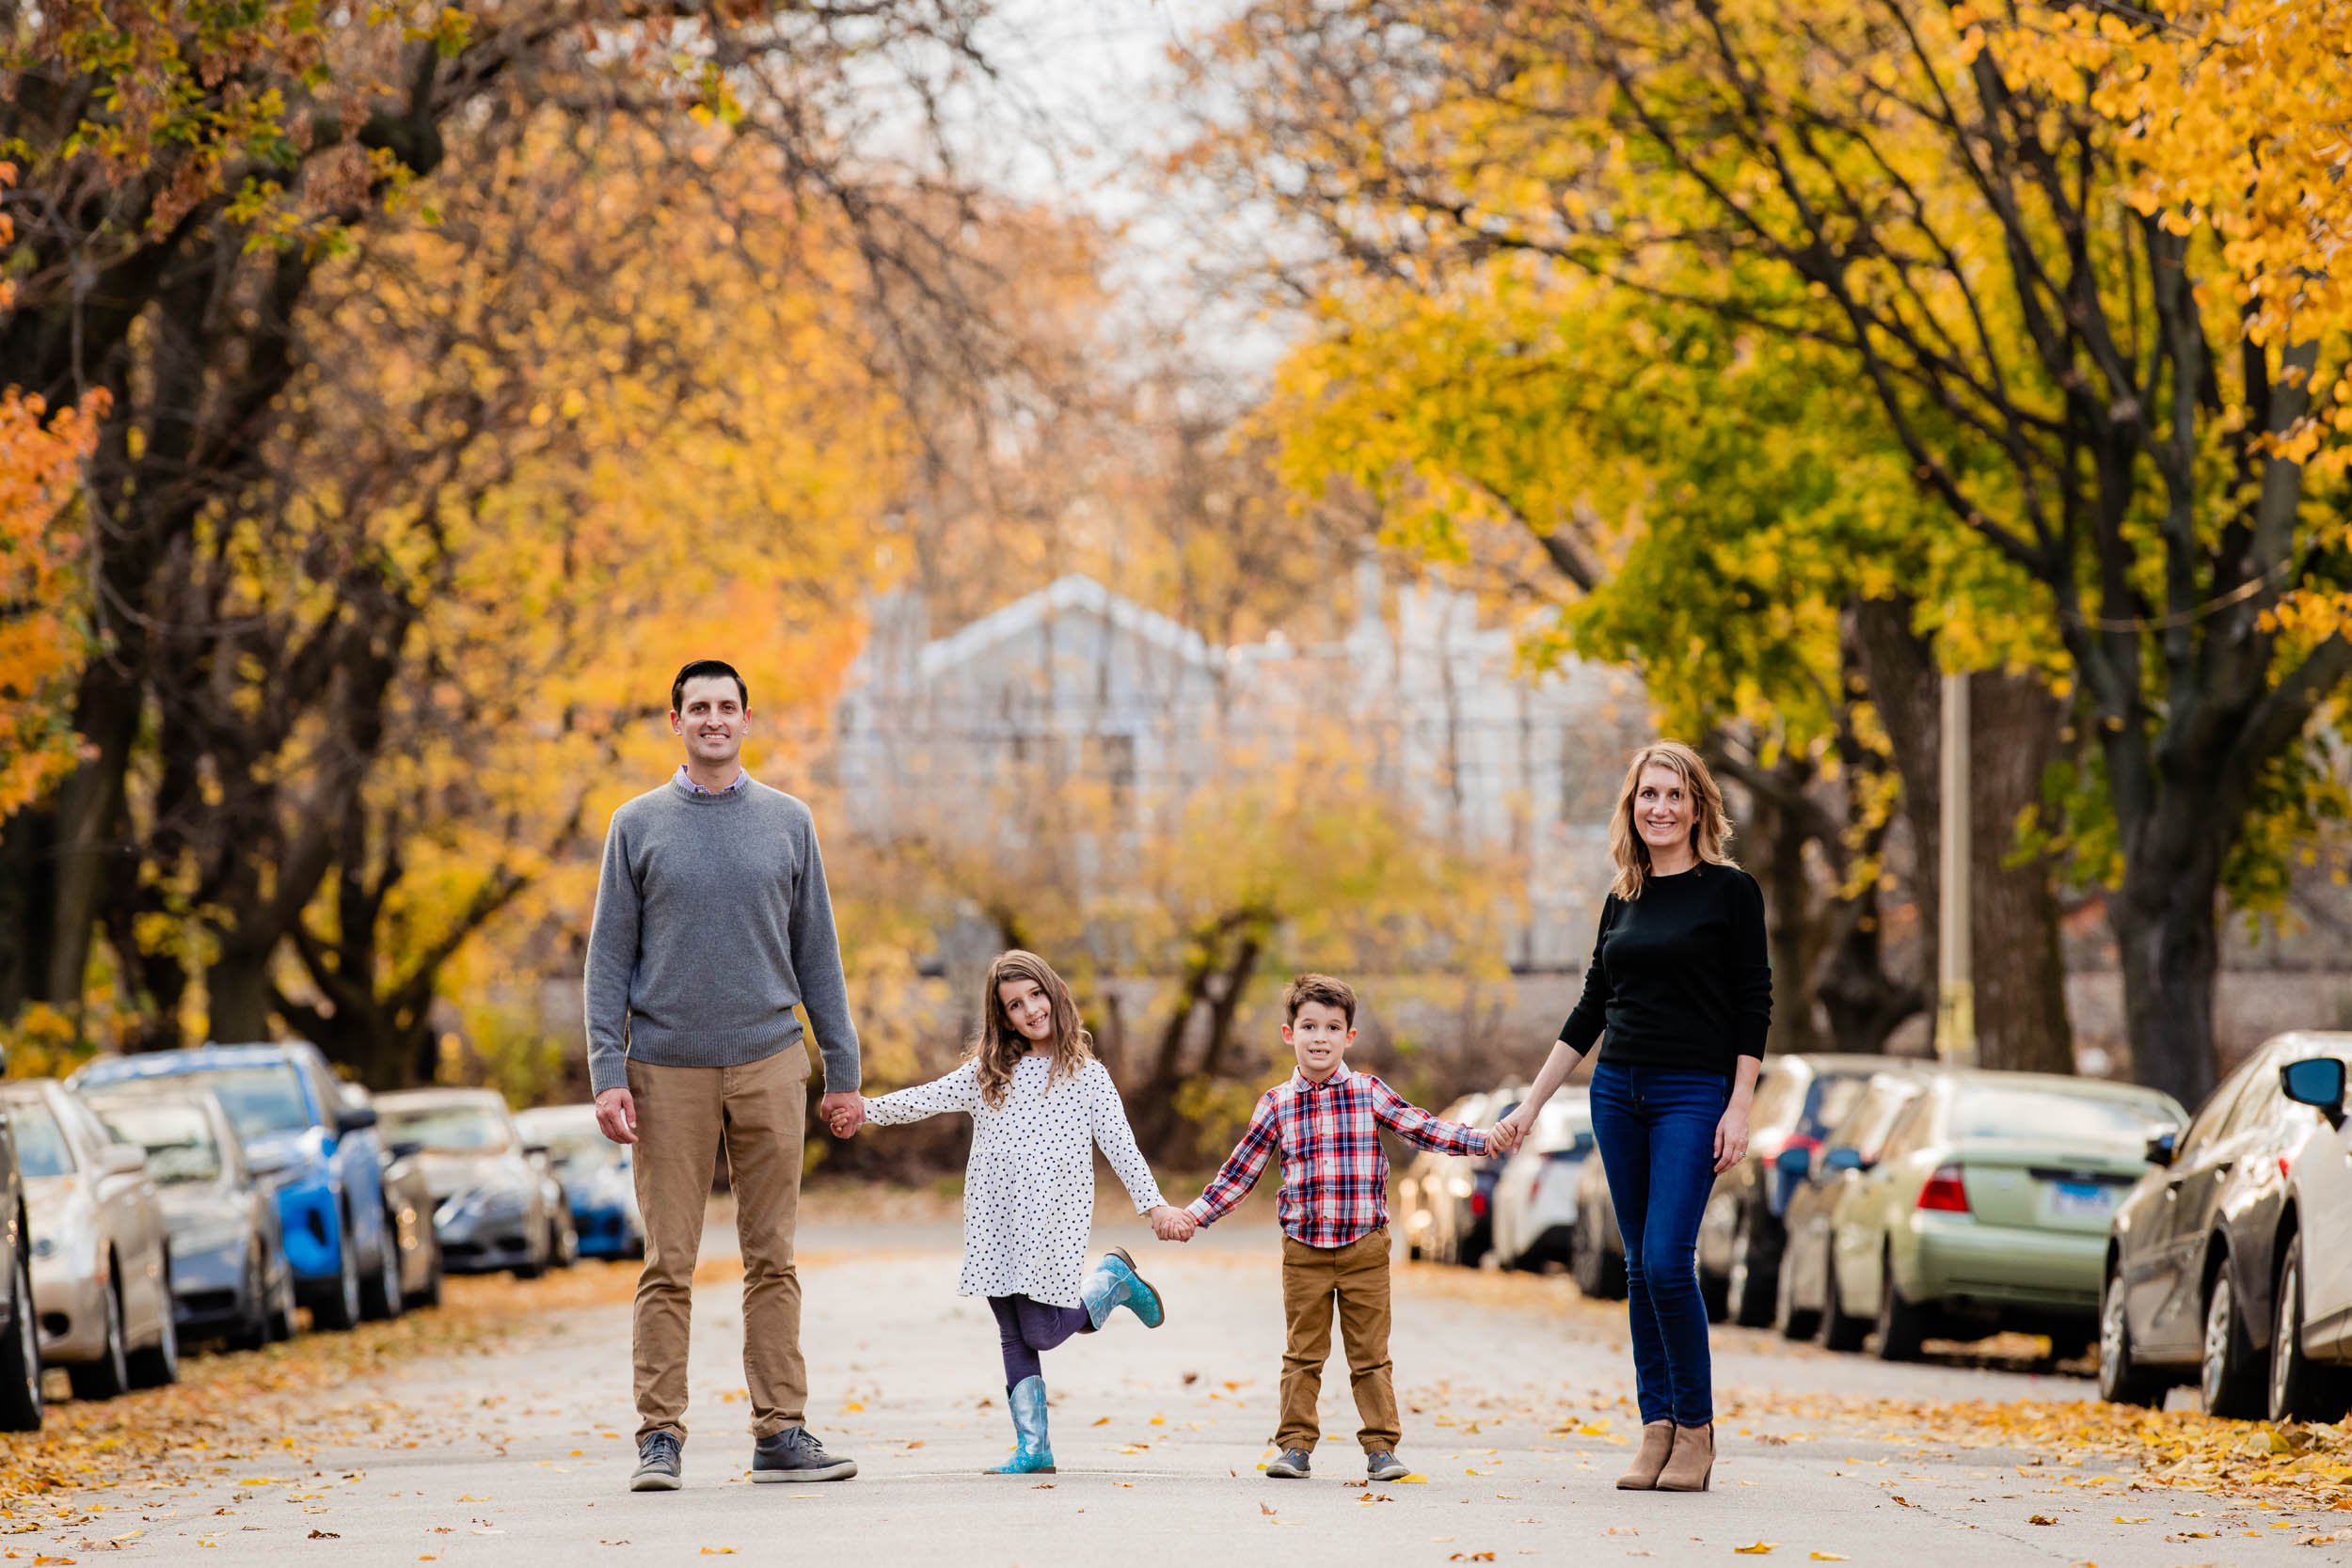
658	1457
1291	1464
1383	1465
795	1454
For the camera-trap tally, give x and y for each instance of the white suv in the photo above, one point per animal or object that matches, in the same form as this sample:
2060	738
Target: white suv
2311	1354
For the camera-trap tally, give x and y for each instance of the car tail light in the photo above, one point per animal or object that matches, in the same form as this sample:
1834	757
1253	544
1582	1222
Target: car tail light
1478	1206
1944	1192
1534	1183
1798	1140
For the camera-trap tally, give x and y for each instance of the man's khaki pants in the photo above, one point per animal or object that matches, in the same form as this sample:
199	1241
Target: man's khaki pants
683	1114
1355	1278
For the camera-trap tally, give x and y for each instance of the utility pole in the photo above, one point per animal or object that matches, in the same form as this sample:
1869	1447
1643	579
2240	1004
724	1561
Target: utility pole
1956	990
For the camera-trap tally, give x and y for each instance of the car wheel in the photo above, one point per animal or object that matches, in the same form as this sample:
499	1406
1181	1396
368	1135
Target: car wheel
429	1294
254	1332
1840	1329
2121	1380
1902	1325
158	1365
110	1374
2226	1375
282	1304
1750	1285
20	1356
567	1244
2298	1391
1792	1321
382	1299
1715	1295
338	1309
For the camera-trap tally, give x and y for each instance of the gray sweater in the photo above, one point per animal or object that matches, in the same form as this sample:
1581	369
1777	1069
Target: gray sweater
712	920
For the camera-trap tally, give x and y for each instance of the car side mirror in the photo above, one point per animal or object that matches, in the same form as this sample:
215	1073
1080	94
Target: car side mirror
1844	1158
122	1159
538	1151
353	1119
273	1163
2162	1147
2317	1080
406	1148
1793	1161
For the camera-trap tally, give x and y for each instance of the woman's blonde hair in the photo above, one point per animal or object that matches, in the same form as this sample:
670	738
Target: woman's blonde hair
1710	825
1000	1046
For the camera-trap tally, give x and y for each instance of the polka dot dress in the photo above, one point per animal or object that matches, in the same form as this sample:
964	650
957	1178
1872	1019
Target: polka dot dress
1028	1191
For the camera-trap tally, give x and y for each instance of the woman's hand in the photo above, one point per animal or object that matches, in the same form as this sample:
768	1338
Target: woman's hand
1731	1136
1509	1132
1172	1224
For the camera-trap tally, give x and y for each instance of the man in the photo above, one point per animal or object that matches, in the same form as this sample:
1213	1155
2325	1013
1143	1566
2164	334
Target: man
712	923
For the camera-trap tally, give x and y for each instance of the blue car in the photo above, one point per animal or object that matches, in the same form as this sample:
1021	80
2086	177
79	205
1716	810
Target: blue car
283	1101
597	1181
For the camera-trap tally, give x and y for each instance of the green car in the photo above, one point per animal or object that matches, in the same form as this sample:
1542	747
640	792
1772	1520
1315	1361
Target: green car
1987	1209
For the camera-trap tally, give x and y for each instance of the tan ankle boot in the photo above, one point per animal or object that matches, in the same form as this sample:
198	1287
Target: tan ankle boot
1693	1461
1657	1441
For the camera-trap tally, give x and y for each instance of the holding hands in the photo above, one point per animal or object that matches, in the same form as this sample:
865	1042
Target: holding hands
1170	1224
844	1113
1506	1135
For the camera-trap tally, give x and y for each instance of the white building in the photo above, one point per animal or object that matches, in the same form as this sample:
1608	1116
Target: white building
1075	683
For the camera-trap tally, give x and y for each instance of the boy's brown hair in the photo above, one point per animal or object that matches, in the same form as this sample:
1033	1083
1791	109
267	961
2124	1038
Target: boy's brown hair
1330	991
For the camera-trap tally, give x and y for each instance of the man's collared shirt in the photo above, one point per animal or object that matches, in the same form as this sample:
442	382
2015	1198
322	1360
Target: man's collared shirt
1335	1175
686	781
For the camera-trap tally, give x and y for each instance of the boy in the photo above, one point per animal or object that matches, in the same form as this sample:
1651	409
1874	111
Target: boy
1334	1208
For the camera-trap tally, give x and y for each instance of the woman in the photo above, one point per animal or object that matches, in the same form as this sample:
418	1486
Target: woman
1682	986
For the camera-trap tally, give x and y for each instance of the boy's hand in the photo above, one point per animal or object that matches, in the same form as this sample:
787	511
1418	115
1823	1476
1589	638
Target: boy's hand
1170	1224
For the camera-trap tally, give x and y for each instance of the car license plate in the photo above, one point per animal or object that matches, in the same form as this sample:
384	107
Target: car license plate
2081	1200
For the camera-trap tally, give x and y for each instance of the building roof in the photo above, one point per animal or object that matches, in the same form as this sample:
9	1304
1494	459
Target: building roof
1064	595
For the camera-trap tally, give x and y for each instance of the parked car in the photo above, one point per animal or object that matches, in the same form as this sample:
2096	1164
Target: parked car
1596	1250
491	1204
1447	1199
20	1325
2206	1271
1797	1099
1535	1195
1851	1145
230	1277
285	1102
102	1263
1988	1209
597	1174
408	1205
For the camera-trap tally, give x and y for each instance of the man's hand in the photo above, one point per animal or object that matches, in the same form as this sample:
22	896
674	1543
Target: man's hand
616	1115
1170	1224
843	1112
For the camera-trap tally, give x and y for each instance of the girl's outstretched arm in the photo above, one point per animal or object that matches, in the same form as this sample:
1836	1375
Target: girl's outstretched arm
959	1091
1109	1115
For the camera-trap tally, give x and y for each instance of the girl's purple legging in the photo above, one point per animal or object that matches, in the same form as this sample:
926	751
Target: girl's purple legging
1025	1327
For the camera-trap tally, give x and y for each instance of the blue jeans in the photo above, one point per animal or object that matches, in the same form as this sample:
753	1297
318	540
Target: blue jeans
1656	1130
1025	1327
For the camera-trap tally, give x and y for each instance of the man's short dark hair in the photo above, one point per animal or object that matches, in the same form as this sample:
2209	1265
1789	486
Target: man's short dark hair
1324	989
698	669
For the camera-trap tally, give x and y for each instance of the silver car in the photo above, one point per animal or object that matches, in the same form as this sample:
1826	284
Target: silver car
494	1204
102	1263
230	1277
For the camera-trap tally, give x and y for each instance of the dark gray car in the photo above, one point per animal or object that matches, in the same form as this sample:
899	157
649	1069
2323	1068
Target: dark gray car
19	1328
492	1207
230	1276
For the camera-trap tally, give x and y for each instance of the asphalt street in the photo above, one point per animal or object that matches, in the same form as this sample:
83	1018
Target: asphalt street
1517	1423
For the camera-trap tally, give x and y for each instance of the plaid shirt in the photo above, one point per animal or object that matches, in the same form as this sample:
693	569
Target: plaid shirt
1335	1176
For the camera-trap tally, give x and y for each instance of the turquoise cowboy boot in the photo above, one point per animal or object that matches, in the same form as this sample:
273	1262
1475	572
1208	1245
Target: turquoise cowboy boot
1032	1455
1114	1284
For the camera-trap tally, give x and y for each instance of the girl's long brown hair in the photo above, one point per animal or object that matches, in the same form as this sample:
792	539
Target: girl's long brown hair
1000	1046
1710	824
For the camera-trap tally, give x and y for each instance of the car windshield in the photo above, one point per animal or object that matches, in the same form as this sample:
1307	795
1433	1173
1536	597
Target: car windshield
178	1139
2026	1115
581	1150
41	1146
1832	1100
260	1100
449	1129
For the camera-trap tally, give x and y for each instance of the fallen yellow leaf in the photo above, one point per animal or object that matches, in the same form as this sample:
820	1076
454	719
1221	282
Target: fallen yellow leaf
1756	1548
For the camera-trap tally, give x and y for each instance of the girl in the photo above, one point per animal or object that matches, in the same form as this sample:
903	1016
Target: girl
1039	1102
1682	985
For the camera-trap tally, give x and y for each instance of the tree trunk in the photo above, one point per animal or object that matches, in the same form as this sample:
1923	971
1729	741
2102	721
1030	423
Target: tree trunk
237	995
1772	848
2167	946
2013	724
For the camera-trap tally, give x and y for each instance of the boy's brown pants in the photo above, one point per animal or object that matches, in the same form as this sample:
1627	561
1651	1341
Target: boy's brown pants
684	1113
1356	1278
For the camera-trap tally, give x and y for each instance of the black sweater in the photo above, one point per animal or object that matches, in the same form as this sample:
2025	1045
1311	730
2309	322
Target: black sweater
1680	977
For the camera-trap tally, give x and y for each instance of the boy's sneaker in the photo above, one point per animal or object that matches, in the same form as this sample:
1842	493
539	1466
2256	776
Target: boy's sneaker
1291	1464
1383	1465
658	1456
795	1454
